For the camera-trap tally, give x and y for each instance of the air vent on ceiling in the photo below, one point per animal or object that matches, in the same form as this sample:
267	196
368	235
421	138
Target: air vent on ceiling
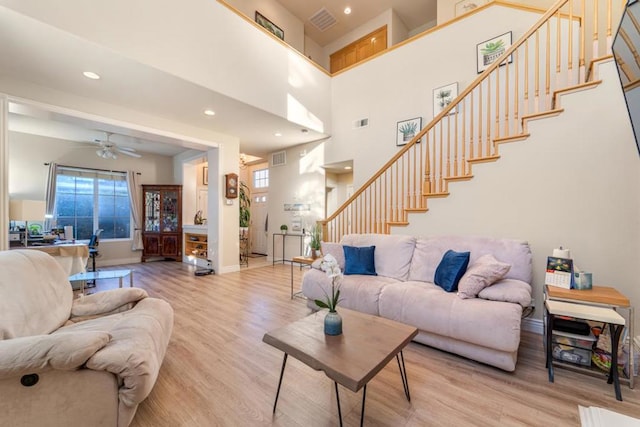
323	19
279	158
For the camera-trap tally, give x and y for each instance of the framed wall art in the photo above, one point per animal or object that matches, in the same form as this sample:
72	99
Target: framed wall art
464	6
443	96
490	50
270	26
205	175
407	130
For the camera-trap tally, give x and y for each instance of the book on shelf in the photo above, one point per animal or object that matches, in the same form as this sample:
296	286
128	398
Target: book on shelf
559	272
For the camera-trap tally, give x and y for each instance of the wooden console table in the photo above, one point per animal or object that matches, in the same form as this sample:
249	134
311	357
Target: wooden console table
599	296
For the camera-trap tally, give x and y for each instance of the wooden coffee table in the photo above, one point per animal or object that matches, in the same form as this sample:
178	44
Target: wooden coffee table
366	345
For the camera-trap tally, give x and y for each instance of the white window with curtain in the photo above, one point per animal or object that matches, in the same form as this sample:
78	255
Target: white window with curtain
89	200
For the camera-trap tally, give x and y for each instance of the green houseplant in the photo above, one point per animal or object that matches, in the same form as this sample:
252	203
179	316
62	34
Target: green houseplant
316	238
244	198
284	228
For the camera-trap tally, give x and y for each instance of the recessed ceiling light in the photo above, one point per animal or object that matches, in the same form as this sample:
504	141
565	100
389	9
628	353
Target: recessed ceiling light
91	75
347	10
348	168
277	134
209	112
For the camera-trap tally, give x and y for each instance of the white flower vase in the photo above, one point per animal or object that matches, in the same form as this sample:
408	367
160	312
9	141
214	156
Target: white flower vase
333	323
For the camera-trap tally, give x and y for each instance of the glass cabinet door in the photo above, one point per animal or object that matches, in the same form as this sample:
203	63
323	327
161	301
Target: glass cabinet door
169	211
152	211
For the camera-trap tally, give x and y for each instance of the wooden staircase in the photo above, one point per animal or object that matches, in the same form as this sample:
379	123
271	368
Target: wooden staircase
525	83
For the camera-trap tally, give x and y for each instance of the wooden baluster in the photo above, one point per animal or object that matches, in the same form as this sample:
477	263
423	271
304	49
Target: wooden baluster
480	121
440	180
471	130
596	48
455	143
506	99
526	78
547	93
570	46
463	142
536	93
426	189
488	140
609	24
516	97
558	50
496	133
448	174
582	61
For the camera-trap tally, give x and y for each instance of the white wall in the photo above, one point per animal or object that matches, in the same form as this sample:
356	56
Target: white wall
301	180
399	85
191	42
572	185
293	27
314	52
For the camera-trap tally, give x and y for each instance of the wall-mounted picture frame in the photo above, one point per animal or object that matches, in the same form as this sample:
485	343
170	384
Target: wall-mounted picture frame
406	130
465	6
205	175
269	26
488	51
443	96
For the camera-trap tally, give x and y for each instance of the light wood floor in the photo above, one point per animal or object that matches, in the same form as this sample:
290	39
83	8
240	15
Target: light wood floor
218	372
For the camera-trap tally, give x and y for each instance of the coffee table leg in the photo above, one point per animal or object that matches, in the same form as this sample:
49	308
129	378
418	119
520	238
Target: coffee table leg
403	376
284	363
364	396
338	400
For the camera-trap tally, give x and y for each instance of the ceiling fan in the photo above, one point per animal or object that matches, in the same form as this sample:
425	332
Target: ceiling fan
110	150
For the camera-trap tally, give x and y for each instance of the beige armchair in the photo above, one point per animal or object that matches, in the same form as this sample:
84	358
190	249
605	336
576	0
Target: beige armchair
73	362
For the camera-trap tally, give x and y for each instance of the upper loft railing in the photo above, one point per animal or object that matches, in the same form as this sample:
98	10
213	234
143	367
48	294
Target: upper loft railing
552	55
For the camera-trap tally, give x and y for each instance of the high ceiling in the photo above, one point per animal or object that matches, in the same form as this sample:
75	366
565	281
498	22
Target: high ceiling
52	66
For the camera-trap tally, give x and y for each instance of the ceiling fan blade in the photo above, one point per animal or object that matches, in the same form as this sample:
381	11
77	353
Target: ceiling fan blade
128	153
133	150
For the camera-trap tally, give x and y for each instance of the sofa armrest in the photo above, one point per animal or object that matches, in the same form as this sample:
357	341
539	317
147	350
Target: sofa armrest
63	351
107	302
508	290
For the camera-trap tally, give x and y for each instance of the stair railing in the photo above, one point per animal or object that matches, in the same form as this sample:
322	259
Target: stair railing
520	84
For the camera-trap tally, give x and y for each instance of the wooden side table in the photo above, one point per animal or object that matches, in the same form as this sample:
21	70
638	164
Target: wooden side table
599	296
587	312
300	260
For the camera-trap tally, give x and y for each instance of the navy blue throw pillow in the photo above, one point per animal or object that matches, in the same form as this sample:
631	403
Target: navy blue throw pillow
359	260
451	269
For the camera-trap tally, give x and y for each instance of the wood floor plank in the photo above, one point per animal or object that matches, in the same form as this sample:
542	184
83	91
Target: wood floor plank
218	372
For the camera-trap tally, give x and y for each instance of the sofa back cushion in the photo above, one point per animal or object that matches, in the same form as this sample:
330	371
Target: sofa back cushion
430	250
35	294
392	255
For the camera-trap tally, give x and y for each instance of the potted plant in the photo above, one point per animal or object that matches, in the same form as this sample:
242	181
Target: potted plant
316	238
284	228
245	203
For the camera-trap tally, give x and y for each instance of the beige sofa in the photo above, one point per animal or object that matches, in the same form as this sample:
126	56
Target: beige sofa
69	362
486	328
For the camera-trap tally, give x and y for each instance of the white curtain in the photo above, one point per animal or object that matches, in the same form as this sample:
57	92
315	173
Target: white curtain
135	200
50	196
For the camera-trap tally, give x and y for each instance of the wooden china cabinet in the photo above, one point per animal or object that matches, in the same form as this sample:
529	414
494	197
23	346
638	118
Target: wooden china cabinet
162	232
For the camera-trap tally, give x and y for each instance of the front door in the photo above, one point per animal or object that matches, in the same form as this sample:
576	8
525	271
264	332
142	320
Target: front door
258	232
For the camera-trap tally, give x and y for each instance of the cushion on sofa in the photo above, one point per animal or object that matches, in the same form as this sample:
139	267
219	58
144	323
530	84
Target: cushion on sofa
393	252
450	269
483	273
508	290
335	249
359	260
429	252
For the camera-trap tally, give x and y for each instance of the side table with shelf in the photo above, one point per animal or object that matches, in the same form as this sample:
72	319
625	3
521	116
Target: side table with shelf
598	301
283	237
301	261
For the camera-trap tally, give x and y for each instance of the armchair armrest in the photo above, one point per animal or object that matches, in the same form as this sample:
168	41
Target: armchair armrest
107	302
63	351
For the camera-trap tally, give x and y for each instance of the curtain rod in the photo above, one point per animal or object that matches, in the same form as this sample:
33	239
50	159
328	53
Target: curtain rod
91	169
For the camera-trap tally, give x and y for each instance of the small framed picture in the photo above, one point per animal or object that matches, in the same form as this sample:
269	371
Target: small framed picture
270	26
205	175
443	96
407	130
490	50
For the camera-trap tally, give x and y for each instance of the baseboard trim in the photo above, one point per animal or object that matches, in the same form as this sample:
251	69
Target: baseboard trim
533	325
